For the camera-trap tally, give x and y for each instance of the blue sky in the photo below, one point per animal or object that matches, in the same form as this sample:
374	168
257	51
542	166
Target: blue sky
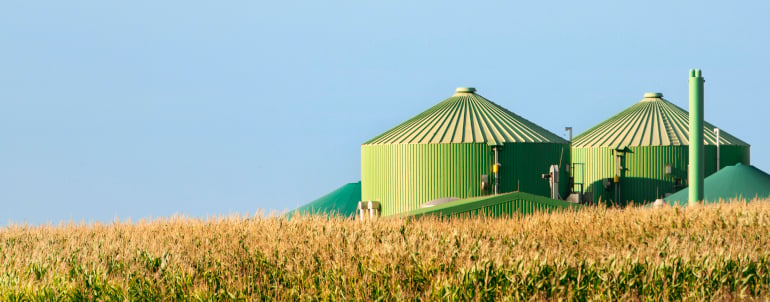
153	108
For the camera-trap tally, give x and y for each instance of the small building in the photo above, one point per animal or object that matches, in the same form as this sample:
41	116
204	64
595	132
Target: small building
508	204
641	154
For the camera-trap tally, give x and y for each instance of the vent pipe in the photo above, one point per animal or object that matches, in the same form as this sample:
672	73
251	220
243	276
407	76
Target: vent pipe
496	169
716	131
696	166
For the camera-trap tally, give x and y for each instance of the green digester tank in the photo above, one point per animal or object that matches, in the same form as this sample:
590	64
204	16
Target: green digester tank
465	146
641	154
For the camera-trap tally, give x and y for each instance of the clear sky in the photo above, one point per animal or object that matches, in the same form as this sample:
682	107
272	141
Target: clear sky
153	108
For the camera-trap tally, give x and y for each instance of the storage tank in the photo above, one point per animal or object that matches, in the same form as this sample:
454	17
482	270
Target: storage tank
465	146
739	182
641	153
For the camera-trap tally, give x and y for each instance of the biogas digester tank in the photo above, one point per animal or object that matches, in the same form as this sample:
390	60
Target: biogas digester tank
449	151
641	153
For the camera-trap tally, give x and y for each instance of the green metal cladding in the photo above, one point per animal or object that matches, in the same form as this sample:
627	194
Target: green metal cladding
444	151
730	183
651	135
342	202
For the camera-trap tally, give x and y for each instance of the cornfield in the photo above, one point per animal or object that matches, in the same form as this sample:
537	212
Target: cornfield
709	252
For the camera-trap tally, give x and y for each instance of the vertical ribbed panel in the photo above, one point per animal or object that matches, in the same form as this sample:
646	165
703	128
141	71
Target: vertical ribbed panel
597	164
645	179
404	176
513	207
524	164
729	155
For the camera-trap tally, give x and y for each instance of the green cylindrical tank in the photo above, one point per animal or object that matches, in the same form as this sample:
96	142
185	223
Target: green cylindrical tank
646	147
449	151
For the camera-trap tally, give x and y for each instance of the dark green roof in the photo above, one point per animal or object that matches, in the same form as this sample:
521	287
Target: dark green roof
739	181
466	117
496	205
342	201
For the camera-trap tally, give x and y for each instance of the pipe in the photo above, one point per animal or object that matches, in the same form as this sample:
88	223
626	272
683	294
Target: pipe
716	130
555	182
696	166
496	168
616	177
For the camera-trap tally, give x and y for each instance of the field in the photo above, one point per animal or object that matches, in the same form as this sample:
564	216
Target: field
704	253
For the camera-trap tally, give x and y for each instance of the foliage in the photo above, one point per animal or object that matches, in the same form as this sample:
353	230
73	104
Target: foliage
701	253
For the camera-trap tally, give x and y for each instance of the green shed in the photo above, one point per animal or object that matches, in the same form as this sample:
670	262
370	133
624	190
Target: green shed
342	201
453	149
739	181
508	204
641	154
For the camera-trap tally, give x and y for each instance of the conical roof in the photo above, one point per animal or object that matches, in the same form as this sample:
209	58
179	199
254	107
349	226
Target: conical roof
466	117
342	201
739	181
653	121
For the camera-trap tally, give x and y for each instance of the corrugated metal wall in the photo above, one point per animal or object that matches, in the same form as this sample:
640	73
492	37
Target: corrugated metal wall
729	155
644	178
597	164
404	176
524	164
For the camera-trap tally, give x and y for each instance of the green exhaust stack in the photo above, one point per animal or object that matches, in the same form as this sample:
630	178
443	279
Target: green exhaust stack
696	167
